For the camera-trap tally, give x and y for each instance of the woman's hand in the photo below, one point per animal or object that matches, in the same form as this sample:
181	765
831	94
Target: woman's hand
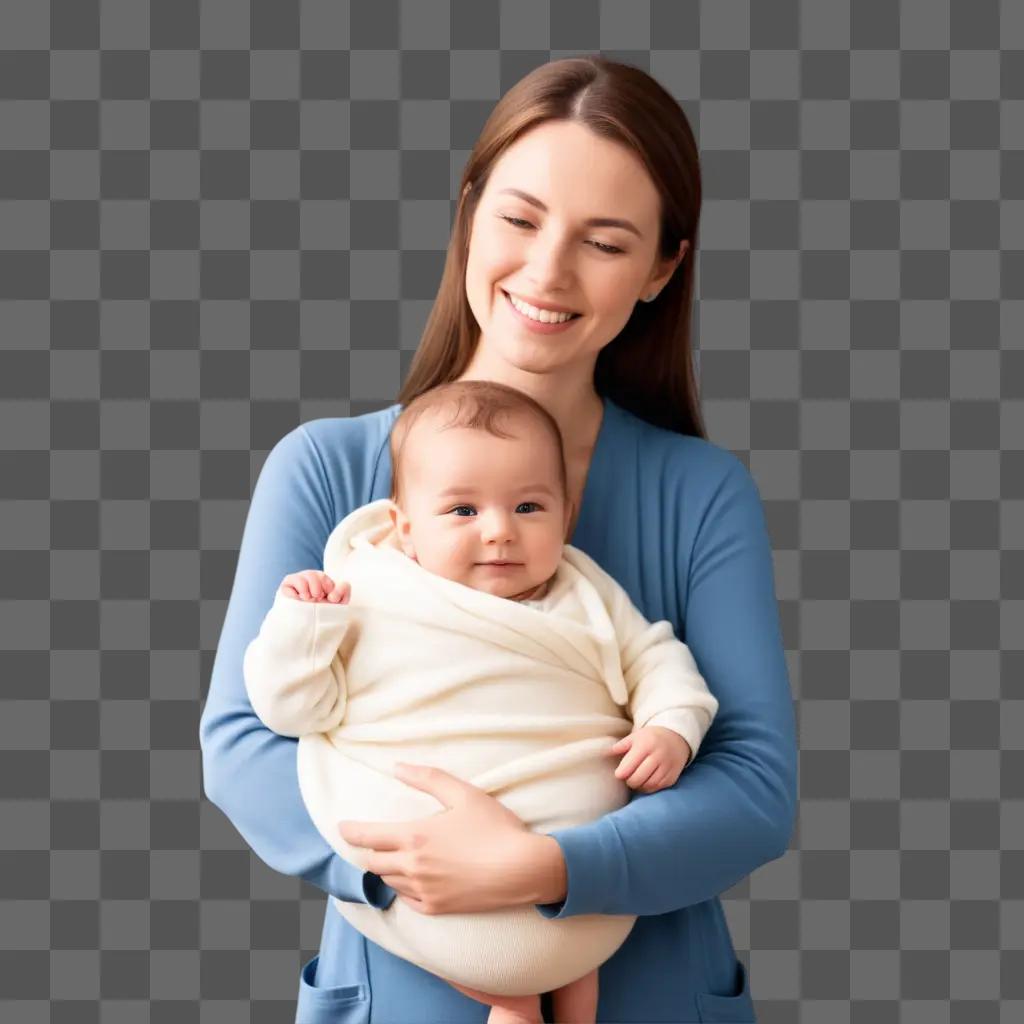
474	856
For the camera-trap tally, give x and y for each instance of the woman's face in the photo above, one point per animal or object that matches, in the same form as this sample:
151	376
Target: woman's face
552	256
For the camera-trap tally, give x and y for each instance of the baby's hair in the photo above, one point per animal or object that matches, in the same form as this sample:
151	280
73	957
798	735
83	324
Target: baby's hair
475	405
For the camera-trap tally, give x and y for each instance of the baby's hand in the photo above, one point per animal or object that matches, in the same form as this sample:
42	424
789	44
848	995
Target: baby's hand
312	585
655	759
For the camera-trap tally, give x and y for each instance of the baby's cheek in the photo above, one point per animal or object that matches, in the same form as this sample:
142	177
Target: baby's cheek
553	552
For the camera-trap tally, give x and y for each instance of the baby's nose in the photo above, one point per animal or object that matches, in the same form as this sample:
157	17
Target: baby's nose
498	526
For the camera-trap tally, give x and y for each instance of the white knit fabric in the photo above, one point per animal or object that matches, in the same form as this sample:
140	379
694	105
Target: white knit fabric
522	699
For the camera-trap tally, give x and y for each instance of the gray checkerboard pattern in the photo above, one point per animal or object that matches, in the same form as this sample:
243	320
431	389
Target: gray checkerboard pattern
219	220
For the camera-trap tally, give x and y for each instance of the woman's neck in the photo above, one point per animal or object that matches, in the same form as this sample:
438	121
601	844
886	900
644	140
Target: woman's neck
573	403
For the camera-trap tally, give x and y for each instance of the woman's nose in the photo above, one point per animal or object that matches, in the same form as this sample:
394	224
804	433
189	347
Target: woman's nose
549	263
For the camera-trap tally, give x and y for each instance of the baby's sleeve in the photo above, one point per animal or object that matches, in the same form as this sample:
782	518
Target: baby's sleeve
293	673
665	686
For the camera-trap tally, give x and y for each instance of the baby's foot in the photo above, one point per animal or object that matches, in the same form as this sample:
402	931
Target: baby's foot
576	1003
504	1015
505	1009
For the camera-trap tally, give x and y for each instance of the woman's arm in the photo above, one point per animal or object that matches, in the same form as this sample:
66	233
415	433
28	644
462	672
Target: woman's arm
250	772
734	807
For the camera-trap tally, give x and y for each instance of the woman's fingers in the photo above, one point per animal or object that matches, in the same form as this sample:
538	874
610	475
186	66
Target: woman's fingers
400	883
390	862
373	835
418	905
397	882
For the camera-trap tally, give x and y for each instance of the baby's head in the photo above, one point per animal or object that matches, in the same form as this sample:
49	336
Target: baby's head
479	477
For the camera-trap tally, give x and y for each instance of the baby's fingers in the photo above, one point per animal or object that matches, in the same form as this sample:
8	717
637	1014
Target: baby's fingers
295	587
622	745
627	766
320	585
641	774
299	584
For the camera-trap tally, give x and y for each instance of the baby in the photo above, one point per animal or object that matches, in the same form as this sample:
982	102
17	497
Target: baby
441	614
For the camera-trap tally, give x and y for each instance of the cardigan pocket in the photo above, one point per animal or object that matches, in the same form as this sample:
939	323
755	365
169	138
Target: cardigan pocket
735	1009
343	1004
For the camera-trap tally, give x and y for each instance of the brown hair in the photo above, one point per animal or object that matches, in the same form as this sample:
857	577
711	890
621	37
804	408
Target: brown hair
648	367
475	405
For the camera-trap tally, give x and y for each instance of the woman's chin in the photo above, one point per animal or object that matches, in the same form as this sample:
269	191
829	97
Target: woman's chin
533	354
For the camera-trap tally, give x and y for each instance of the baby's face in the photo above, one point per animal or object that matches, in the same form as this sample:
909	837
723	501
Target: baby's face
472	500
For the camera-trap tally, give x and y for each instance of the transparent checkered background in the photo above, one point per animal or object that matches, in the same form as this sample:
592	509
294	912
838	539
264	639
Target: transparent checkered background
220	220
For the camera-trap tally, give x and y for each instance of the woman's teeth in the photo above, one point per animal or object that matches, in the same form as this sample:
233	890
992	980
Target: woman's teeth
543	315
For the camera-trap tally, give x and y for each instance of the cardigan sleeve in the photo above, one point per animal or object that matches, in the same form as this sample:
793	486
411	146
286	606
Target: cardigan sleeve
250	772
734	807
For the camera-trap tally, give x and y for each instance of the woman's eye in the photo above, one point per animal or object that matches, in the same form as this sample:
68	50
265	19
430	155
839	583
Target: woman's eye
612	250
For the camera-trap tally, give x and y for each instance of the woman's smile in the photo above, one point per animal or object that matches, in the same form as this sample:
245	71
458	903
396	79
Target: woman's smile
537	325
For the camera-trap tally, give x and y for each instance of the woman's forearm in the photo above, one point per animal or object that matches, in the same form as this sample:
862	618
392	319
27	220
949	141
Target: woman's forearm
547	872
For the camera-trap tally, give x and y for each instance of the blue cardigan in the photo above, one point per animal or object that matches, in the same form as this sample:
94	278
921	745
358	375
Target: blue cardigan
678	522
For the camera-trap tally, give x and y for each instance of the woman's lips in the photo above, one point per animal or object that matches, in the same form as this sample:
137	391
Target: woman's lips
536	325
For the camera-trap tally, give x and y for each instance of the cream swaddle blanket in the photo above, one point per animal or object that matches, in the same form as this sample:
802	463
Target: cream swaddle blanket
521	699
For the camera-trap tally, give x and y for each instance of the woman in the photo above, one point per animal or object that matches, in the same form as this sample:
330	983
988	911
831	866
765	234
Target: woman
582	195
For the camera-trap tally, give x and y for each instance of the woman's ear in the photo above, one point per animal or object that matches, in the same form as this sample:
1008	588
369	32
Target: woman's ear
666	270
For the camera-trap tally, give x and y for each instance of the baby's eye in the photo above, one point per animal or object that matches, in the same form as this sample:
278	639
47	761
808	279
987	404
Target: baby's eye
533	503
457	507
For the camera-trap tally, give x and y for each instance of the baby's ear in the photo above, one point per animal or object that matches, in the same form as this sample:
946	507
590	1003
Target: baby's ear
400	521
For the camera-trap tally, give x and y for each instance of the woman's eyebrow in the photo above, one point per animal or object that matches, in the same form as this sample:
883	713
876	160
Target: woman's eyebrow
594	222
